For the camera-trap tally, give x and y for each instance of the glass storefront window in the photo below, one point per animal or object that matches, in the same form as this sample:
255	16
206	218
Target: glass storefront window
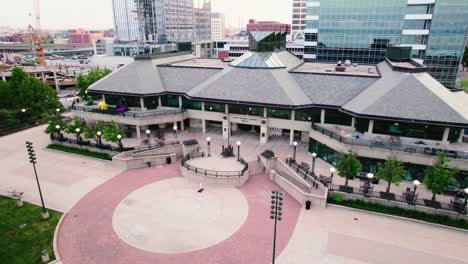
324	152
214	107
308	115
151	102
170	100
191	104
280	113
361	125
246	110
130	101
408	130
336	117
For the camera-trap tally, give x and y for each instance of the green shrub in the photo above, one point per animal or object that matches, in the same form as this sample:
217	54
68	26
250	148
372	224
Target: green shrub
78	151
398	211
337	198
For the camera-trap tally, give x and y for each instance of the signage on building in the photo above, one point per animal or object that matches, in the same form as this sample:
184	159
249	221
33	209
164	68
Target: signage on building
251	120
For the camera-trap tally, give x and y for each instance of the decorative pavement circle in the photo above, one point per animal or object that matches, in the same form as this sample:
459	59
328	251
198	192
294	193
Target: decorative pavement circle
153	215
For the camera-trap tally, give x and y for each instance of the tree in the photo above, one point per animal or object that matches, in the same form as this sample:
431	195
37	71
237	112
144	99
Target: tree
391	171
111	130
91	131
53	121
83	82
78	123
348	166
440	176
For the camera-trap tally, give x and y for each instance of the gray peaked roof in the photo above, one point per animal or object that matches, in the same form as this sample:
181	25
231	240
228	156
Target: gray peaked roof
415	96
395	94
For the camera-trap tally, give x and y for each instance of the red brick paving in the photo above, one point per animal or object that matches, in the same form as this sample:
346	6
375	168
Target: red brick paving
87	235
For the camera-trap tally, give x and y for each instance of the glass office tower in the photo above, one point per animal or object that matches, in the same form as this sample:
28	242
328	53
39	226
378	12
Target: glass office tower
125	20
361	30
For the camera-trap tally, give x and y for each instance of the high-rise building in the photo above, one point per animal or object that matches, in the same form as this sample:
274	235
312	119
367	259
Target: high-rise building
217	26
299	18
255	25
361	31
125	20
163	21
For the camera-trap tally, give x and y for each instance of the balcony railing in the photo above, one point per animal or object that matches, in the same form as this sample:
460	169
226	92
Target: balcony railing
390	146
211	173
131	114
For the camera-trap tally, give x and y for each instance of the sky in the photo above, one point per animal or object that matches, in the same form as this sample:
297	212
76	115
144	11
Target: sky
97	14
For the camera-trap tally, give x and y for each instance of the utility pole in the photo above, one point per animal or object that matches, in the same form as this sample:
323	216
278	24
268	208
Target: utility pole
32	159
275	214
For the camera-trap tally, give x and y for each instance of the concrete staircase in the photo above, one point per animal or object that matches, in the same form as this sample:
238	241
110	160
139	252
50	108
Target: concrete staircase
256	167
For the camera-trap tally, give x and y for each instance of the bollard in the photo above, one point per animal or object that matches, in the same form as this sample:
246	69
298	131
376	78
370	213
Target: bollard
45	256
19	202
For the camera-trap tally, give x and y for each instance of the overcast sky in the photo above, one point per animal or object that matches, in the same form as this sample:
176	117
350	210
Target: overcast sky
97	14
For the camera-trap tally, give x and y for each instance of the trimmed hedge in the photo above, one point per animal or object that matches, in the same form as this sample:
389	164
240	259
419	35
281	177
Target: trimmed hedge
397	211
83	152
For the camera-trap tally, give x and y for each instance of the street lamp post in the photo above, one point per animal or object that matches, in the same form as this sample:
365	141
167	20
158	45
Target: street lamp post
294	153
332	170
23	115
99	134
78	130
58	132
314	156
208	142
416	183
175	132
148	134
58	112
370	176
276	214
32	160
238	150
466	201
119	137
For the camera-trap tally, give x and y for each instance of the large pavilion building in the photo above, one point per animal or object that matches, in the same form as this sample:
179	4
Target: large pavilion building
395	107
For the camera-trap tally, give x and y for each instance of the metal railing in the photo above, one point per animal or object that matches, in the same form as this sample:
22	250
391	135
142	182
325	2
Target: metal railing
156	146
195	154
132	114
308	175
403	198
390	146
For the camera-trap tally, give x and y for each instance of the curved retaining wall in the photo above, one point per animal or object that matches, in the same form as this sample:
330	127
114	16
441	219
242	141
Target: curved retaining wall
213	180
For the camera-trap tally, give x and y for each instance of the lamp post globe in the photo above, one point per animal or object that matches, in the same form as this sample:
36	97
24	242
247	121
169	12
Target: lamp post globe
148	132
58	110
77	130
332	170
99	133
175	128
119	136
314	156
238	150
370	176
23	110
294	151
208	142
57	126
416	184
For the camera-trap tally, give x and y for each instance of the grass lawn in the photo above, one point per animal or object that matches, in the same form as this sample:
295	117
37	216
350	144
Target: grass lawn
23	244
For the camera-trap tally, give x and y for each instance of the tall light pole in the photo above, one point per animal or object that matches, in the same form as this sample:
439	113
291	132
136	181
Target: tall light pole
370	176
276	214
294	153
78	130
99	134
148	134
314	156
208	142
466	201
238	150
119	138
58	112
175	132
32	160
58	132
415	183
332	170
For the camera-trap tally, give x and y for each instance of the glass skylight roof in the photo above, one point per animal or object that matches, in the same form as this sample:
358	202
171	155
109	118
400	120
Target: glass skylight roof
258	60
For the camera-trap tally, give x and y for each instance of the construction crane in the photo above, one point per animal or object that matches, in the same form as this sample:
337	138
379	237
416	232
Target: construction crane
36	34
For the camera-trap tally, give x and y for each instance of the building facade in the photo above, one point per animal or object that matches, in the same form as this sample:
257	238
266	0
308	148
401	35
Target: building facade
236	47
255	25
299	19
125	21
361	31
82	36
218	26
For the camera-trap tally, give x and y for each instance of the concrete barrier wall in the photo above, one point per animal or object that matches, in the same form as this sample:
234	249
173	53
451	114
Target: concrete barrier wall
187	149
177	149
171	118
125	161
297	193
112	153
212	180
425	209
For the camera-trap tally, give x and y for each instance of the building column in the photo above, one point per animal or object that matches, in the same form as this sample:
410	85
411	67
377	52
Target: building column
226	108
203	123
353	122
291	137
370	130
138	130
293	114
265	112
180	102
57	85
43	76
3	77
264	133
142	103
104	97
322	116
182	125
446	135
159	102
203	106
460	137
226	128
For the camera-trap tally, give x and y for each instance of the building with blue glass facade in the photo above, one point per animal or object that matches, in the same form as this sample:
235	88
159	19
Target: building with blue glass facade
361	31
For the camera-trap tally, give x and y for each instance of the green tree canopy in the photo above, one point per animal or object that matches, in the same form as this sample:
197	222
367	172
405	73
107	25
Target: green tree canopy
348	166
440	176
84	81
23	91
391	171
91	131
111	130
53	121
77	123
